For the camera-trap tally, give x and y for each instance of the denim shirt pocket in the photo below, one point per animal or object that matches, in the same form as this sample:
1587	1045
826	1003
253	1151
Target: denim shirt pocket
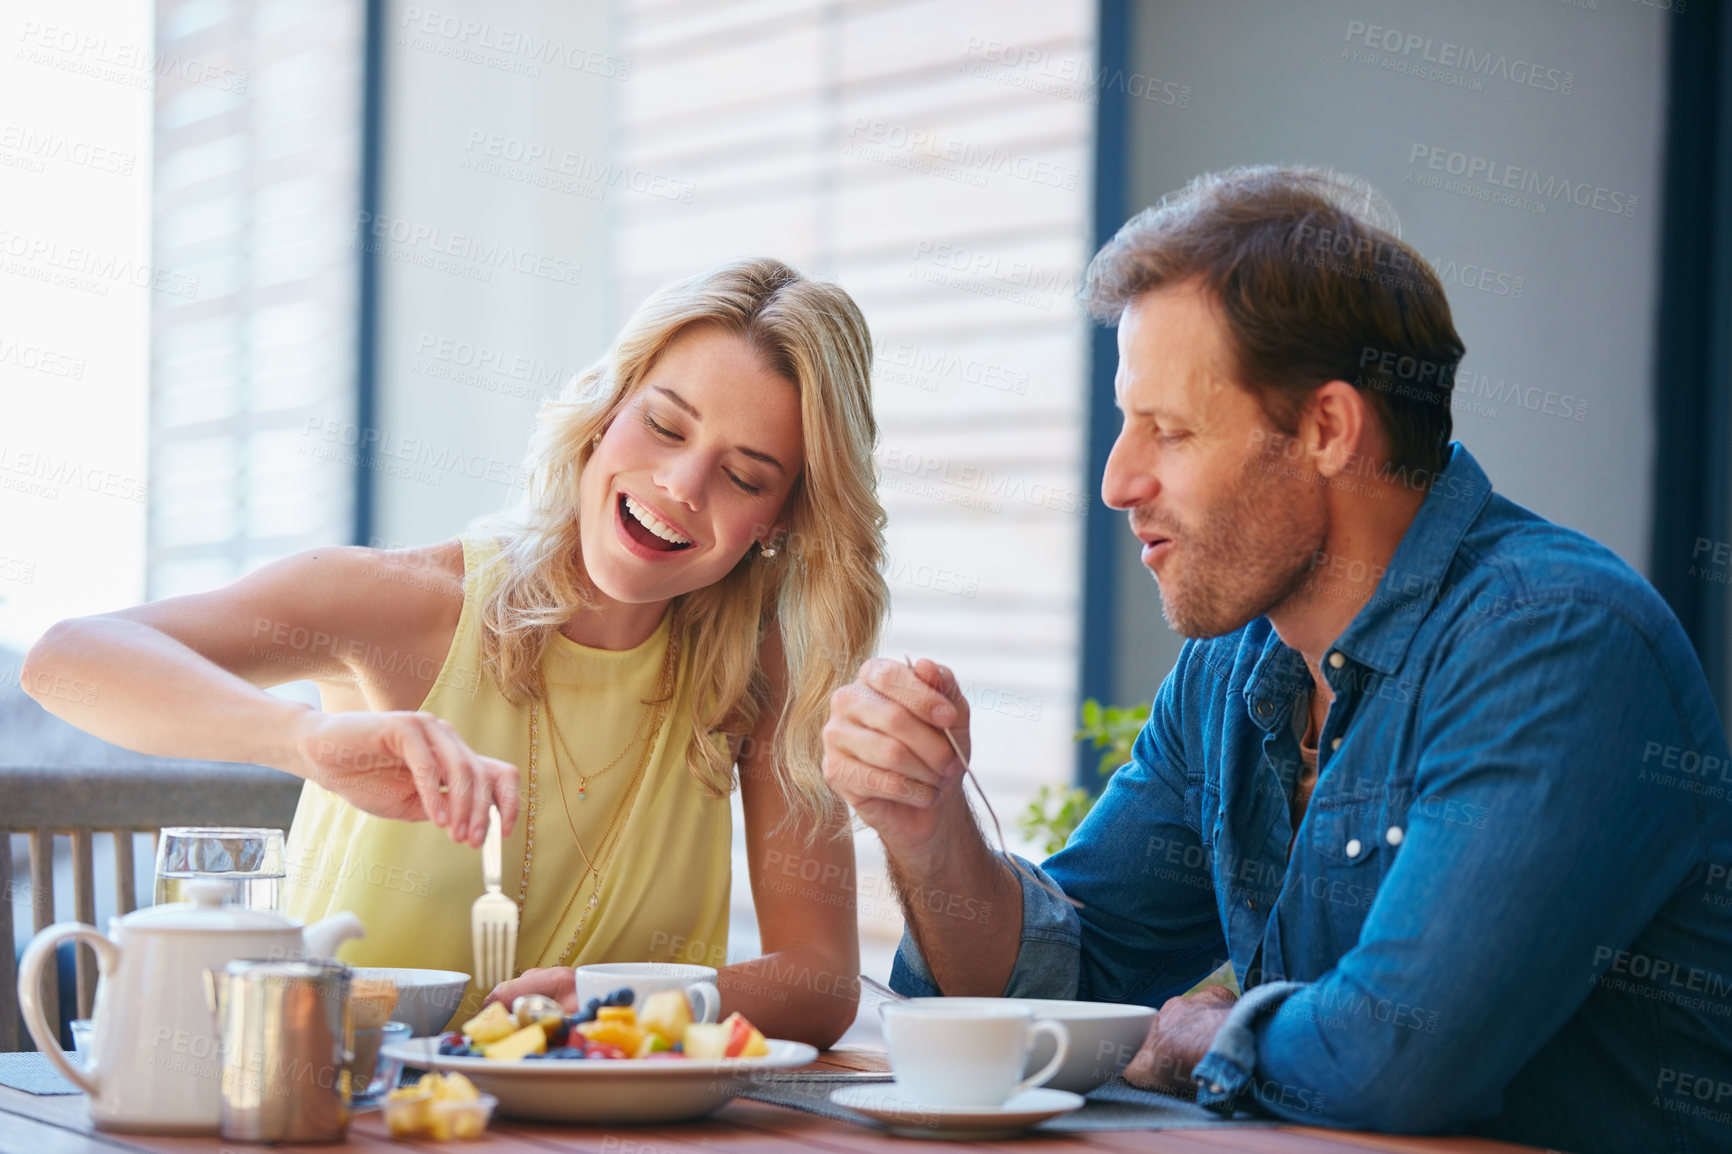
1345	859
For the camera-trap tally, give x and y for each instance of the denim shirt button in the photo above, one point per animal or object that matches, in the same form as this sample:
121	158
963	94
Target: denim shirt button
1336	660
1336	744
1353	847
1264	709
1215	1087
1394	836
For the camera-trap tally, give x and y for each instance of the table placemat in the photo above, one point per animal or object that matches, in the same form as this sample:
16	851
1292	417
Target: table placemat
1115	1106
31	1073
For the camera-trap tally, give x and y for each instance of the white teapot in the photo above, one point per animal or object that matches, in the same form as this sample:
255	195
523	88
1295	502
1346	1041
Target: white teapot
156	1066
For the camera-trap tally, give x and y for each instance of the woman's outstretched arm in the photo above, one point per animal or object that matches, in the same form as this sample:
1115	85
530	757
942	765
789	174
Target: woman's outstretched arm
185	677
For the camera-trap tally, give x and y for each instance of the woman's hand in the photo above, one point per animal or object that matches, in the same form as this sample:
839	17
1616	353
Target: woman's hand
408	767
557	982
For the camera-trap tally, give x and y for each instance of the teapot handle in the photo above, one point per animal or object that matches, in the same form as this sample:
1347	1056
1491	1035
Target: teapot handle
36	955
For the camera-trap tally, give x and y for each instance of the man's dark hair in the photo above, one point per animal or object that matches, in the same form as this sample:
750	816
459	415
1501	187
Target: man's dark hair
1315	285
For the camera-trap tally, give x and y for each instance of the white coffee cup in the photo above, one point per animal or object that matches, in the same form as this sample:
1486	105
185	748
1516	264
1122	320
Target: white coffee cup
646	978
966	1051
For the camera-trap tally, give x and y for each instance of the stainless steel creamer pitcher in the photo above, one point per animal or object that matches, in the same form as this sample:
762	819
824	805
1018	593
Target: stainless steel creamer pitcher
286	1041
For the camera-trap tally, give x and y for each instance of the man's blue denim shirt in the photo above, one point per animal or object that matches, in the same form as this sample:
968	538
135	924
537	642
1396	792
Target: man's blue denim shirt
1508	907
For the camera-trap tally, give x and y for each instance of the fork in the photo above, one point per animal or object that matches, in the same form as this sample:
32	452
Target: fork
493	918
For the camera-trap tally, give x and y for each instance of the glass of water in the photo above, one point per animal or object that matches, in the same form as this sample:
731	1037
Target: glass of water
250	860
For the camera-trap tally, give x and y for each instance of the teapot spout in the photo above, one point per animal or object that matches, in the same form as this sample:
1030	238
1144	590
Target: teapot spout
322	938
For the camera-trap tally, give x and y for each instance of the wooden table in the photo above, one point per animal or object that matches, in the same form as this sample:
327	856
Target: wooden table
60	1125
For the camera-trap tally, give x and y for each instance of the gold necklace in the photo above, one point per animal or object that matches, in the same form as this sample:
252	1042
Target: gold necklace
608	847
560	746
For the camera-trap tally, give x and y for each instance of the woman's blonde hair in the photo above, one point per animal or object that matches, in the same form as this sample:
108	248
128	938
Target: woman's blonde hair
823	588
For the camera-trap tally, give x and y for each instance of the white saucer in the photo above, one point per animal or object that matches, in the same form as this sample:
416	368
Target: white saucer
885	1103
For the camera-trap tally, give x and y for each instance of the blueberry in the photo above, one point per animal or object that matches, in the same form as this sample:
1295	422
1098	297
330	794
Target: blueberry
557	1037
677	1048
470	1052
528	1057
447	1048
621	997
565	1053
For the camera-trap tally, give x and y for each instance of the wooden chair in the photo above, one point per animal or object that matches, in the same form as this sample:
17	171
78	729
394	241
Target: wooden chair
117	801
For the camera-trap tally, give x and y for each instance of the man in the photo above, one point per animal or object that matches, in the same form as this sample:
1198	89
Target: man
1441	780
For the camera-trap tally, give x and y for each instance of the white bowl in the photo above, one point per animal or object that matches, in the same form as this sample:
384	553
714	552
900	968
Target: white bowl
1104	1037
426	999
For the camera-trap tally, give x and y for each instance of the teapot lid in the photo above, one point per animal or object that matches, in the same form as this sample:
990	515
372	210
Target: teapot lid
208	910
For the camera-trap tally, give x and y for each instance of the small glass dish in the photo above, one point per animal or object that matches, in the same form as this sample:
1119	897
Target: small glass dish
441	1119
83	1041
369	1076
450	1118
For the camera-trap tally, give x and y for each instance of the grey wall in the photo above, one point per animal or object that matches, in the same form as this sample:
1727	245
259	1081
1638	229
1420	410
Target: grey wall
492	265
1558	301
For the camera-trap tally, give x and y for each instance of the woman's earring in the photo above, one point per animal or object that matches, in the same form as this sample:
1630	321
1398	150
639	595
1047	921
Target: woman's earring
595	440
767	552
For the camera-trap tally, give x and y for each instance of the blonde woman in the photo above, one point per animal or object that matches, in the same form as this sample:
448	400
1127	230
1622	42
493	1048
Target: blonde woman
695	569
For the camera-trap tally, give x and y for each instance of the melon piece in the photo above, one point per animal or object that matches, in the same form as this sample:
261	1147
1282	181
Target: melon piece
707	1040
529	1040
667	1015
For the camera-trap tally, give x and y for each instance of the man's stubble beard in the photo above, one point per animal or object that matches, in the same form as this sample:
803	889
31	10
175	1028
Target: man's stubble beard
1246	557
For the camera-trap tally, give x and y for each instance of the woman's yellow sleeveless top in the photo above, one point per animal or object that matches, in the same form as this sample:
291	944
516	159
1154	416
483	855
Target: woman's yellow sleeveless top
664	894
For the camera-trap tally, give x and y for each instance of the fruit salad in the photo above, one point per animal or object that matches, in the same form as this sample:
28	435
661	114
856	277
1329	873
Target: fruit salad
537	1027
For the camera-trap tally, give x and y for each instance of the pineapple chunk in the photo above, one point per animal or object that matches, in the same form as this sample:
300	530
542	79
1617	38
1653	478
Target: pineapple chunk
617	1014
454	1087
407	1108
491	1025
706	1040
529	1040
667	1015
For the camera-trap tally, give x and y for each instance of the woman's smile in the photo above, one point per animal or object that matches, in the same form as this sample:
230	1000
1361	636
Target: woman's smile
644	532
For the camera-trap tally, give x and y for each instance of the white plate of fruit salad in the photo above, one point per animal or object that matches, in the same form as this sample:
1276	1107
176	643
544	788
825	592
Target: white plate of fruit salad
611	1062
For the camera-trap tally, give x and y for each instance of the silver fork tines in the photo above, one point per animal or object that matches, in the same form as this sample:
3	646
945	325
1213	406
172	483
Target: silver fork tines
493	918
